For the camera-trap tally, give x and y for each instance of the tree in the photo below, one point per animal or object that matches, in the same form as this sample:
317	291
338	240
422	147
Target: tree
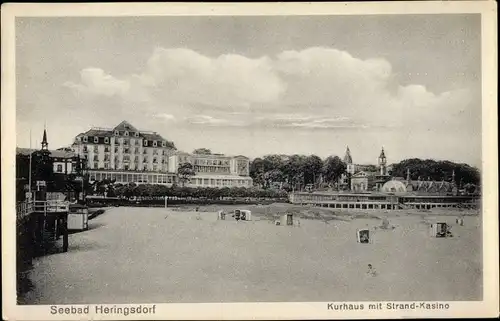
294	170
257	172
437	170
185	172
312	169
333	168
202	151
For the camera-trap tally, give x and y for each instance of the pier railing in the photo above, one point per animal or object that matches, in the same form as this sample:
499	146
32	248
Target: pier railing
24	209
54	206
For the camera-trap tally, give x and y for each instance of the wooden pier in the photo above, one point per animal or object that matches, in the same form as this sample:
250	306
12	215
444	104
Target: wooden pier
44	222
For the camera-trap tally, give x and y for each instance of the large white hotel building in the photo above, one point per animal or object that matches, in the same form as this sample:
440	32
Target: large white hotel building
126	154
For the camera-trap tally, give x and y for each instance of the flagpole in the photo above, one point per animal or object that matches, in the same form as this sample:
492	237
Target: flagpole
29	177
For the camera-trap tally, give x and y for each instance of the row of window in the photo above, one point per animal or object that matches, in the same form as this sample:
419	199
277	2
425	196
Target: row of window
165	179
134	177
127	167
211	162
220	182
211	169
126	150
125	142
126	158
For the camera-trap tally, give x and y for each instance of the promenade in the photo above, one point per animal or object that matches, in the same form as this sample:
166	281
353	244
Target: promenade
157	255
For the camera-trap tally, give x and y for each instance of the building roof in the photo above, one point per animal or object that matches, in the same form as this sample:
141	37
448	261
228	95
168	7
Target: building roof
365	174
53	153
394	186
123	127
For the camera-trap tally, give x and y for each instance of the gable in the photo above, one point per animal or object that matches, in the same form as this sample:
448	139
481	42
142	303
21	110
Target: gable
125	126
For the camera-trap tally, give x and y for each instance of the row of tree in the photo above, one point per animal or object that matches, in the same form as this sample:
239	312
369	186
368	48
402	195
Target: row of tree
437	171
300	170
295	170
109	189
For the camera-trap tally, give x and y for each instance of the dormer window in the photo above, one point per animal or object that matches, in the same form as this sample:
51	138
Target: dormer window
163	144
106	140
126	133
96	140
136	134
154	143
145	143
85	139
117	133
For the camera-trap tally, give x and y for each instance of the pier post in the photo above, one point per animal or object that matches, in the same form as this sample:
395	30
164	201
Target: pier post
65	232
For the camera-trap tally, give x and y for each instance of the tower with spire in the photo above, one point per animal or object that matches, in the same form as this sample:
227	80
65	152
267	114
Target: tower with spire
382	162
348	161
45	144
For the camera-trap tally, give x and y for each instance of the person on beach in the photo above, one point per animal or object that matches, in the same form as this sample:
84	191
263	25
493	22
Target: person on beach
371	271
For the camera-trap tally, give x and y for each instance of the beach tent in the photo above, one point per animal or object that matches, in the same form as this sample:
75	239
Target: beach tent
286	219
363	236
439	229
246	215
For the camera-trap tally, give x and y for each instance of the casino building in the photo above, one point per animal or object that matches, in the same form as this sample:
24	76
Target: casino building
378	190
125	154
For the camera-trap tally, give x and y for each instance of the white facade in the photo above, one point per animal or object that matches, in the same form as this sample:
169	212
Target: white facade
125	154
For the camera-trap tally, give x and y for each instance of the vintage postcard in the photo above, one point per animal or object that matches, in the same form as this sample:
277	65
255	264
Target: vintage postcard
249	161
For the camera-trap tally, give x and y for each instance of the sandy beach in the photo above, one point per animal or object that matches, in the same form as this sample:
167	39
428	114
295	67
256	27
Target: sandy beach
166	255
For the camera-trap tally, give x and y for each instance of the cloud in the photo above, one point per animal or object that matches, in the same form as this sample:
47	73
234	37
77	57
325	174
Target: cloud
312	88
95	81
166	117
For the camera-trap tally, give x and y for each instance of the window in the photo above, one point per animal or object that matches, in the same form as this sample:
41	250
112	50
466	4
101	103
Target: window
145	151
155	168
136	159
85	148
126	150
163	144
106	140
155	143
136	150
95	158
145	159
96	140
85	139
117	133
125	142
145	143
126	133
96	149
106	165
116	149
59	168
136	134
96	164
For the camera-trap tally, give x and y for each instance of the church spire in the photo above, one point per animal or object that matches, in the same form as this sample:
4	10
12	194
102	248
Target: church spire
348	157
45	144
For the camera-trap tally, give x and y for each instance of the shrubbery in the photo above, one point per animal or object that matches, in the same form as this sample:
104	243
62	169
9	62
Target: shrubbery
154	190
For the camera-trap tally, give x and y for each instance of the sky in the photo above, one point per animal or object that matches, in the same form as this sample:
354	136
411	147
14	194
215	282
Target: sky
259	85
